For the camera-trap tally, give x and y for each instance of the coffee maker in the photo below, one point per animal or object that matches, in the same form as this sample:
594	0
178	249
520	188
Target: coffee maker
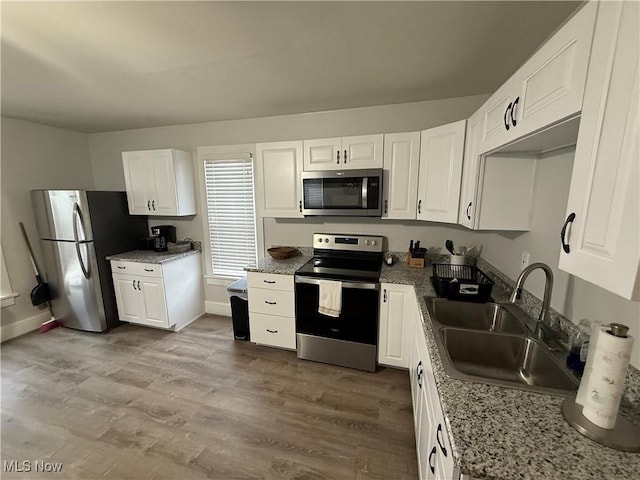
162	234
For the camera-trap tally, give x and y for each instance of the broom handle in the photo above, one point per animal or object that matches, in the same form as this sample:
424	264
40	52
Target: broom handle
31	256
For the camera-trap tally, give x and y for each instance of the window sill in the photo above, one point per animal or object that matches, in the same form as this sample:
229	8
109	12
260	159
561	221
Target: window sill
219	281
8	299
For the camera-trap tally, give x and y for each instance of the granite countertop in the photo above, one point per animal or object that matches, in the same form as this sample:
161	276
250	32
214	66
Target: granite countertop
501	433
288	266
150	256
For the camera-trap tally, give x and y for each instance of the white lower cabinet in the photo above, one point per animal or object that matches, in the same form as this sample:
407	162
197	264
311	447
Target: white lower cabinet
397	307
272	309
165	296
435	461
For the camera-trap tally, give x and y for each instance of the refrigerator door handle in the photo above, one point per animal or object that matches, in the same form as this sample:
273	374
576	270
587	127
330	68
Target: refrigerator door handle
77	215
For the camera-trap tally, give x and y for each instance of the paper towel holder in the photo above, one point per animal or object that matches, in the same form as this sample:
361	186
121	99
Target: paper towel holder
625	436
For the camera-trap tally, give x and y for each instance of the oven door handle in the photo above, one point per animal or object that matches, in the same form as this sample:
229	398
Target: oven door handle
354	285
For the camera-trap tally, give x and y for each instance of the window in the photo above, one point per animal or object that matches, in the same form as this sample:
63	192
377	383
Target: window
231	215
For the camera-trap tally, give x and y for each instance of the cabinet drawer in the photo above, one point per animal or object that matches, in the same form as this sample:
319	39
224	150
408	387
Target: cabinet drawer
272	281
271	302
273	330
137	268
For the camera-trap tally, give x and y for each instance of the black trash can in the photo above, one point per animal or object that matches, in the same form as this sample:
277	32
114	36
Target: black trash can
239	308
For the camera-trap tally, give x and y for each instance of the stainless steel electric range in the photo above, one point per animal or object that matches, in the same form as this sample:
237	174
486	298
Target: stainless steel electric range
350	338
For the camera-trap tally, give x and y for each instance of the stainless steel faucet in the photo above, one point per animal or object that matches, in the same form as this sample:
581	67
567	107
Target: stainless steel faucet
544	319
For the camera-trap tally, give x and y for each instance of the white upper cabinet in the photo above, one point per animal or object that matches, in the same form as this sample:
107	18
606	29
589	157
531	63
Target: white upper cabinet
159	182
600	236
469	186
548	88
441	155
278	167
343	153
400	185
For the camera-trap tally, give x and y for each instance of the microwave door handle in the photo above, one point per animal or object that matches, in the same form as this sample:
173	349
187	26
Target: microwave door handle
365	181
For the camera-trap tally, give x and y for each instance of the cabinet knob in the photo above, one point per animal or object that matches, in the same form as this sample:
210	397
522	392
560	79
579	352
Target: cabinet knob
134	285
338	157
563	232
513	111
139	285
468	210
300	206
419	206
153	205
345	156
384	297
386	206
148	205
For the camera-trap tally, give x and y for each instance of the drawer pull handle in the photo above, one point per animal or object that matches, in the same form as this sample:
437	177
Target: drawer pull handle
438	433
272	331
148	269
121	267
270	303
269	281
431	455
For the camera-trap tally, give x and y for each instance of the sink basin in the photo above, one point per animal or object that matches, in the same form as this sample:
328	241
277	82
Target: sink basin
504	359
489	317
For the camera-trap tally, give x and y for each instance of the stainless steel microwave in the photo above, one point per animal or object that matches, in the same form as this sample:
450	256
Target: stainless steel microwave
356	193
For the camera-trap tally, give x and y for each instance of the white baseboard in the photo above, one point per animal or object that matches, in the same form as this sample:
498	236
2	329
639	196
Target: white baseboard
23	326
218	308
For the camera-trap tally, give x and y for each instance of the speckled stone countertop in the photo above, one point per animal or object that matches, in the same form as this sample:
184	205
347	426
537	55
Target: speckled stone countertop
288	266
149	256
501	433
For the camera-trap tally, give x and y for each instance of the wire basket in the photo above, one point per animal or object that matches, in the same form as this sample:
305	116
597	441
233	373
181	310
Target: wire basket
179	247
461	282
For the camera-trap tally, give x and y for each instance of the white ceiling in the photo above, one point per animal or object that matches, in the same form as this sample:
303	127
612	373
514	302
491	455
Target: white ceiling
101	66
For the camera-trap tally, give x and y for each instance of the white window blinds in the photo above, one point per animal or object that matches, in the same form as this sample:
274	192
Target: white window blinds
231	215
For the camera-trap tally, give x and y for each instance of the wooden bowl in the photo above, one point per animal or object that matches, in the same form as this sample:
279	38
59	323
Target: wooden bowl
280	253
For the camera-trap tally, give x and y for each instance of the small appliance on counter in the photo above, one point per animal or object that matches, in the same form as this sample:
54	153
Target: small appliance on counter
163	234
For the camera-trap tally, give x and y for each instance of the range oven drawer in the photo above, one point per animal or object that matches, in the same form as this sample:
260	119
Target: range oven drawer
358	320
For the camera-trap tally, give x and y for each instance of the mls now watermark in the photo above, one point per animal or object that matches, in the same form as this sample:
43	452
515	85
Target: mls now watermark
27	466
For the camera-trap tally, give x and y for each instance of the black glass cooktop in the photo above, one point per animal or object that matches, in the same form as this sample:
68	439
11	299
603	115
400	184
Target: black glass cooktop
343	268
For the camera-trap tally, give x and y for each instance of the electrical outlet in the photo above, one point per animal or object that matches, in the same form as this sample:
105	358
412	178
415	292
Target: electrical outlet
524	261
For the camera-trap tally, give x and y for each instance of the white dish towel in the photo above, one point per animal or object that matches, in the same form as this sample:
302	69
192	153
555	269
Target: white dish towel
330	301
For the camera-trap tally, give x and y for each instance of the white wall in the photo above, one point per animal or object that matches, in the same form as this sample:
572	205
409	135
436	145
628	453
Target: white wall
34	156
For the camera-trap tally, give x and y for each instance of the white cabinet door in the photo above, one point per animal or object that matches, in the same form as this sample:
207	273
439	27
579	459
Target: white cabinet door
552	81
139	181
602	242
363	151
400	189
441	155
396	319
323	154
278	185
495	117
154	302
469	186
164	180
159	182
129	298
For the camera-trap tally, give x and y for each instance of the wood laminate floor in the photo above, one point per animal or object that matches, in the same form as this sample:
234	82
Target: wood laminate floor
141	403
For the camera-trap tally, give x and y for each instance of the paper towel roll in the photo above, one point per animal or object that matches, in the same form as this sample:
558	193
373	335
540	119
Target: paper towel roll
602	383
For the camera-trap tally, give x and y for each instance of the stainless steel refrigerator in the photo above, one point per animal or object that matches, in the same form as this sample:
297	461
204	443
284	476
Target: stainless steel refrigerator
77	230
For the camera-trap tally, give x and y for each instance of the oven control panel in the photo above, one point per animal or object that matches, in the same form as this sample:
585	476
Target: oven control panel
339	241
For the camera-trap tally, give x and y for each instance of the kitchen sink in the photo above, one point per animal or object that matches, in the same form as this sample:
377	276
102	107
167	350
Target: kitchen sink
484	342
506	360
489	317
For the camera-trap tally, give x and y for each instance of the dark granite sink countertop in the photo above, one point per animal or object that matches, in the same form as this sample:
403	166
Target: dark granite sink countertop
501	433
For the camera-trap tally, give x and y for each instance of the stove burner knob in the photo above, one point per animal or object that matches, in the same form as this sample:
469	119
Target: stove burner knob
320	240
373	242
366	242
326	240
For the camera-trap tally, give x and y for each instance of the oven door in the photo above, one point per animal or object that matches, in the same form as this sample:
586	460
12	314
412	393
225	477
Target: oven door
358	320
